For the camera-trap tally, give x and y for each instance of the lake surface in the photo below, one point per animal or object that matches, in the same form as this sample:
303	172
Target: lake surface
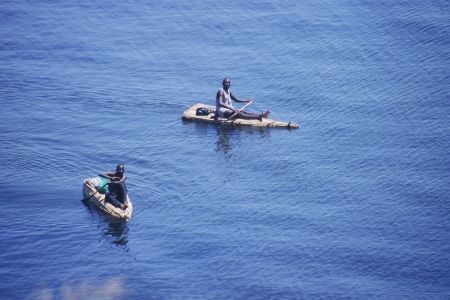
353	205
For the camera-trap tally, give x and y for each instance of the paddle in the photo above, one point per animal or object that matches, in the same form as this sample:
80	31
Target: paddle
241	109
86	199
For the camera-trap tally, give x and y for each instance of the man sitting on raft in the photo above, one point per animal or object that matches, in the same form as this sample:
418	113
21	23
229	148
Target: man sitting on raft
117	194
225	109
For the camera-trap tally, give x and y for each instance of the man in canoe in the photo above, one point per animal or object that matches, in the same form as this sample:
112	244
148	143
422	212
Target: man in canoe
117	194
224	106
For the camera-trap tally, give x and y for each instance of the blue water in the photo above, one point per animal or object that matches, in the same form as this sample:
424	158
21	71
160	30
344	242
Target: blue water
353	205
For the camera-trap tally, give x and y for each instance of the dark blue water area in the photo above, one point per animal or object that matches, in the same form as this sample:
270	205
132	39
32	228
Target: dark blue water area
352	205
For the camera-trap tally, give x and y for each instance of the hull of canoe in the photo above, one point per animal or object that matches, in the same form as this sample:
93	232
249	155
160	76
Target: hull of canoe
190	115
98	200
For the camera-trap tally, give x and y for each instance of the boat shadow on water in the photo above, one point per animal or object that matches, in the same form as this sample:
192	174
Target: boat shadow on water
228	134
113	231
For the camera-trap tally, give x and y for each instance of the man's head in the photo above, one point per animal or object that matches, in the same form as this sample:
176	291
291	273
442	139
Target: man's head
120	169
226	83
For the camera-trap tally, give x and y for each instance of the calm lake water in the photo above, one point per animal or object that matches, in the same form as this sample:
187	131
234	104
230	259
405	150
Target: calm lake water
353	205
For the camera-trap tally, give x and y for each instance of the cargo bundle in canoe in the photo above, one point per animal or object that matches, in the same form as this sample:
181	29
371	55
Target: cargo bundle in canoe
191	115
95	197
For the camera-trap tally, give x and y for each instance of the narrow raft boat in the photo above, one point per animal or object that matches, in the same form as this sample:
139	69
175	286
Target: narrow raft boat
95	197
191	115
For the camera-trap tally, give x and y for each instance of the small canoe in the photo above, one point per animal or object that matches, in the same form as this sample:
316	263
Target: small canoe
191	115
96	198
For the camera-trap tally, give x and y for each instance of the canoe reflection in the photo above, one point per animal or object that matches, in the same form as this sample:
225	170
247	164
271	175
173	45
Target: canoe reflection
223	143
115	232
226	134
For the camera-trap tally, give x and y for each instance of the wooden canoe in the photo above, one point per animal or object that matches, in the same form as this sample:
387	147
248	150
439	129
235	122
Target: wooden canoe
98	199
190	115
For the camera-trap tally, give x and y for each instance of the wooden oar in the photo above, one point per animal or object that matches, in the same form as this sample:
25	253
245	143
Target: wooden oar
241	109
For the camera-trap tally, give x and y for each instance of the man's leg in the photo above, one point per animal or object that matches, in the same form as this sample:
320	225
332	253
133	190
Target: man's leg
122	191
248	115
111	198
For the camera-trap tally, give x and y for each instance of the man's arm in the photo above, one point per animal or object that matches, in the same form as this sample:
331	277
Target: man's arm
107	175
125	177
239	100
